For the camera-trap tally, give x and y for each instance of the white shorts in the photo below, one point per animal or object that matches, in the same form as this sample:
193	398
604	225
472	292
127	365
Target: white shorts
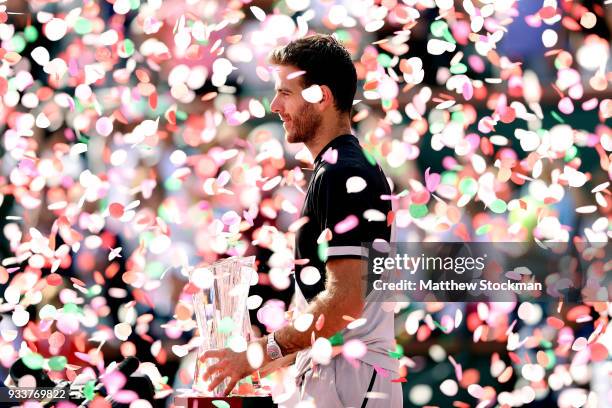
340	384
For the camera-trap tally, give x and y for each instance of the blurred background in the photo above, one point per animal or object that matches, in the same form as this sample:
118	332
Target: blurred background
138	144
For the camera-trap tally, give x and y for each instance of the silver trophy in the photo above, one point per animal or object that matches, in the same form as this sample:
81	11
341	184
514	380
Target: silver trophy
221	313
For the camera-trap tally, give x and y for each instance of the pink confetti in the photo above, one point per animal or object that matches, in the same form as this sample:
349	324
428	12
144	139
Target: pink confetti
346	225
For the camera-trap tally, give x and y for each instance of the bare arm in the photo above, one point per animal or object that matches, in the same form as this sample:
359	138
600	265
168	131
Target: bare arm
343	295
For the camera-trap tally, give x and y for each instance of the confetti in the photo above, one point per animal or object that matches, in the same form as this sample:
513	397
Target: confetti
312	94
354	349
346	225
355	184
321	351
255	355
55	29
303	322
310	275
162	154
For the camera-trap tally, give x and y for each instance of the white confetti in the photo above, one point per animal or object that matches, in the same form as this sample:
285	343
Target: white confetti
55	29
20	316
374	215
123	331
303	322
203	278
321	351
254	301
255	355
310	275
374	25
258	13
438	47
449	388
40	55
587	209
238	344
256	108
179	351
42	121
312	94
355	184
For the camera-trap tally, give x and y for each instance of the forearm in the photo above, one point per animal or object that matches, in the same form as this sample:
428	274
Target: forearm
333	304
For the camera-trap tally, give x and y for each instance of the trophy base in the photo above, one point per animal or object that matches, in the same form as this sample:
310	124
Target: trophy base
196	401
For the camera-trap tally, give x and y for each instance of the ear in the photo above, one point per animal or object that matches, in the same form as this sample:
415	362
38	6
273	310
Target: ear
327	101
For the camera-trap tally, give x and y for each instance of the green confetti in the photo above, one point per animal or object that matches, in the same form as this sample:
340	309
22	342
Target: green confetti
173	184
458	69
146	236
336	339
498	206
556	116
129	48
88	390
266	103
83	138
95	290
226	325
418	210
30	33
439	326
220	404
343	35
449	178
398	353
483	229
571	153
369	157
468	186
546	344
71	308
438	28
82	26
154	269
181	115
552	359
458	117
384	60
134	4
449	37
103	204
33	361
322	251
57	363
19	43
436	127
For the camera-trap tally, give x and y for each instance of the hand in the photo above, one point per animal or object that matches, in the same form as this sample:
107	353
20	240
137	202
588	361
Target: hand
230	364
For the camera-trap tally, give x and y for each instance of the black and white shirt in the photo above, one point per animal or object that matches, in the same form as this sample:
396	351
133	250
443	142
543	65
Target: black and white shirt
328	205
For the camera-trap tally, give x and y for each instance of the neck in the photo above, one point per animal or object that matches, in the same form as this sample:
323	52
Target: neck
326	134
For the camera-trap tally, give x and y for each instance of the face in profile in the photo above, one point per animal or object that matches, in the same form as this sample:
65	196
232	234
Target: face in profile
300	118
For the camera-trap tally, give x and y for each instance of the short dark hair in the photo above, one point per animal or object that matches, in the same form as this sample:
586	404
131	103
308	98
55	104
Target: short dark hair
326	62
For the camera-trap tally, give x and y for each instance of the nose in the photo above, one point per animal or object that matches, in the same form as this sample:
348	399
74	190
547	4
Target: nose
275	105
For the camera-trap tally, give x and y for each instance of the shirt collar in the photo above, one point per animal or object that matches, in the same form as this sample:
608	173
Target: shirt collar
334	142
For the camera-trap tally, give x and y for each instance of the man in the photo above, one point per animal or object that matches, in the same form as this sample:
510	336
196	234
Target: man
333	239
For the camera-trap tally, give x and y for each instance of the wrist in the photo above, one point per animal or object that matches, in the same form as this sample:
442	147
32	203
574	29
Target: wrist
263	342
273	349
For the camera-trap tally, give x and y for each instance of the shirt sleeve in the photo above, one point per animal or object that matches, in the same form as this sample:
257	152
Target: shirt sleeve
342	213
